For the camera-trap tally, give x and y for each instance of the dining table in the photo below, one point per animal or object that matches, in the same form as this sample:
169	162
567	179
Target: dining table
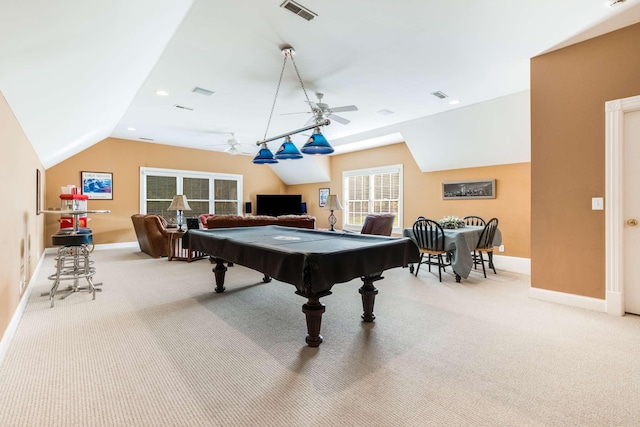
459	243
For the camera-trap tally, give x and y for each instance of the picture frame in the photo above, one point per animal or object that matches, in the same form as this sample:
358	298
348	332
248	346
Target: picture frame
323	196
469	189
38	191
97	185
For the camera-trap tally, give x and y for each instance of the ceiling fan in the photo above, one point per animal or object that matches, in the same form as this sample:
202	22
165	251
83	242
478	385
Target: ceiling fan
233	146
322	111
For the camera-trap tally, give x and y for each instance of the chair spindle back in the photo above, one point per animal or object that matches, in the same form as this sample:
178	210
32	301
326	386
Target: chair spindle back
428	234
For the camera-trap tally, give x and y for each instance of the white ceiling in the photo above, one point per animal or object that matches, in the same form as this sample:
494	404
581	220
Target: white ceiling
75	72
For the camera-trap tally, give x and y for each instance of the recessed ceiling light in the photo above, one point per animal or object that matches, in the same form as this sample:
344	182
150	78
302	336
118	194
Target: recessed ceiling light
161	92
131	128
454	102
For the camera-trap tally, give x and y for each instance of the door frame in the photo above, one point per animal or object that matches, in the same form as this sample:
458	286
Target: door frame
614	185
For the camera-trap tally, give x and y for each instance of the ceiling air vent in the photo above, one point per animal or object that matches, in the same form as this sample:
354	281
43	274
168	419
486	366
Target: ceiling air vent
298	9
146	139
182	107
202	91
439	94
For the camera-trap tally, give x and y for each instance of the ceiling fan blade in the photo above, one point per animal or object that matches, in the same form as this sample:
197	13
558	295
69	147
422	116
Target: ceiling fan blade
299	112
344	108
232	149
311	121
339	119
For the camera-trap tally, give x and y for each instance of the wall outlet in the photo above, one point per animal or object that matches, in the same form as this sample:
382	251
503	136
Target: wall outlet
597	203
501	248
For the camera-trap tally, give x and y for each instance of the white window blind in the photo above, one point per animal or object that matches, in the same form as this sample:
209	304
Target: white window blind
206	192
374	190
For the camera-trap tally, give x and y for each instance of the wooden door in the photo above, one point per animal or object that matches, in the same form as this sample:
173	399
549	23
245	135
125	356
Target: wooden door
631	212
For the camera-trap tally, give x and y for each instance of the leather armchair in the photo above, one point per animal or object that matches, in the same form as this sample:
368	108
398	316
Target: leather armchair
152	234
380	224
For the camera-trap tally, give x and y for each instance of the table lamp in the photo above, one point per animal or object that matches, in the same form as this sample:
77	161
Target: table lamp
333	204
179	203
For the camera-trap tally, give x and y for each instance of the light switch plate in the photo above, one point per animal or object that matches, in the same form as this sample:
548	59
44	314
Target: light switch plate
597	203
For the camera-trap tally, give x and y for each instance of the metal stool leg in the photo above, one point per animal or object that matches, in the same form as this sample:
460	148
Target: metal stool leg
73	264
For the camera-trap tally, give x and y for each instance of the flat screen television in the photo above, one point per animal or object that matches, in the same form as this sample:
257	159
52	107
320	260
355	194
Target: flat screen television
278	204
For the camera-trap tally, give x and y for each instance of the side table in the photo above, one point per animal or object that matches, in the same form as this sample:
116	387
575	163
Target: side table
179	253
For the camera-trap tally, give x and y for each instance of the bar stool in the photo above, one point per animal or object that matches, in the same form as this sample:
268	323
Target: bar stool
72	262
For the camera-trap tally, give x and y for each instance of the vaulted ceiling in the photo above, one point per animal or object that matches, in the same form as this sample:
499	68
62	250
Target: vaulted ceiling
75	72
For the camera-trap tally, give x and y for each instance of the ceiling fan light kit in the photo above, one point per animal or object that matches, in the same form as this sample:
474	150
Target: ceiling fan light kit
316	144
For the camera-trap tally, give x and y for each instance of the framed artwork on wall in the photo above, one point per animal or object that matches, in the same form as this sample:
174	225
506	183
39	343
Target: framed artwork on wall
38	191
470	189
97	185
324	195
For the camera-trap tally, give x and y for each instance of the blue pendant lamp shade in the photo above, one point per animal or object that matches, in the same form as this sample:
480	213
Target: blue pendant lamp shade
288	150
264	156
317	144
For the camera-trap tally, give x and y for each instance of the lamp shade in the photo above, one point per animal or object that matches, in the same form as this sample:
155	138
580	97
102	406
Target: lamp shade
264	156
288	150
179	203
333	203
317	144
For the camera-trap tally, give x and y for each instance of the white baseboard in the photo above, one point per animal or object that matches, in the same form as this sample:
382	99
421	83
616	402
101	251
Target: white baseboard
514	264
615	303
121	245
9	333
588	303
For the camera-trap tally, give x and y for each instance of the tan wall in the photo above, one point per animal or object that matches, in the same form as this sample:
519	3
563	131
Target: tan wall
568	90
423	193
124	158
21	239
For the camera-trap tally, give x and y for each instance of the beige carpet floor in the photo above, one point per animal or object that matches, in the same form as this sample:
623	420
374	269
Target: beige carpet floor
159	348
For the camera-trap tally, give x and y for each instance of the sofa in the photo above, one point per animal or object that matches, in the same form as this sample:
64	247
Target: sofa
152	234
230	221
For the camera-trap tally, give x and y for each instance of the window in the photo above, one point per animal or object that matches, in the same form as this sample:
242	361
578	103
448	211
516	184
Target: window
206	192
374	190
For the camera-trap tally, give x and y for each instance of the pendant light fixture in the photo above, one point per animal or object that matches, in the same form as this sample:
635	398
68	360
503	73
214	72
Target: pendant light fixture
316	144
264	156
288	150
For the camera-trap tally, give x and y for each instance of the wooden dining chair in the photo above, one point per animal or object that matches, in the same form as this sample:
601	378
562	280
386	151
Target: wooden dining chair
430	239
485	244
474	221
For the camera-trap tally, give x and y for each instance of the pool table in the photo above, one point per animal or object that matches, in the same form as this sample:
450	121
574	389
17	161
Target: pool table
311	260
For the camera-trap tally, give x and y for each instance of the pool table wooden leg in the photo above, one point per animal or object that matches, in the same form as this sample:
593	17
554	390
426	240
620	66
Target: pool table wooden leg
368	292
313	311
219	270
